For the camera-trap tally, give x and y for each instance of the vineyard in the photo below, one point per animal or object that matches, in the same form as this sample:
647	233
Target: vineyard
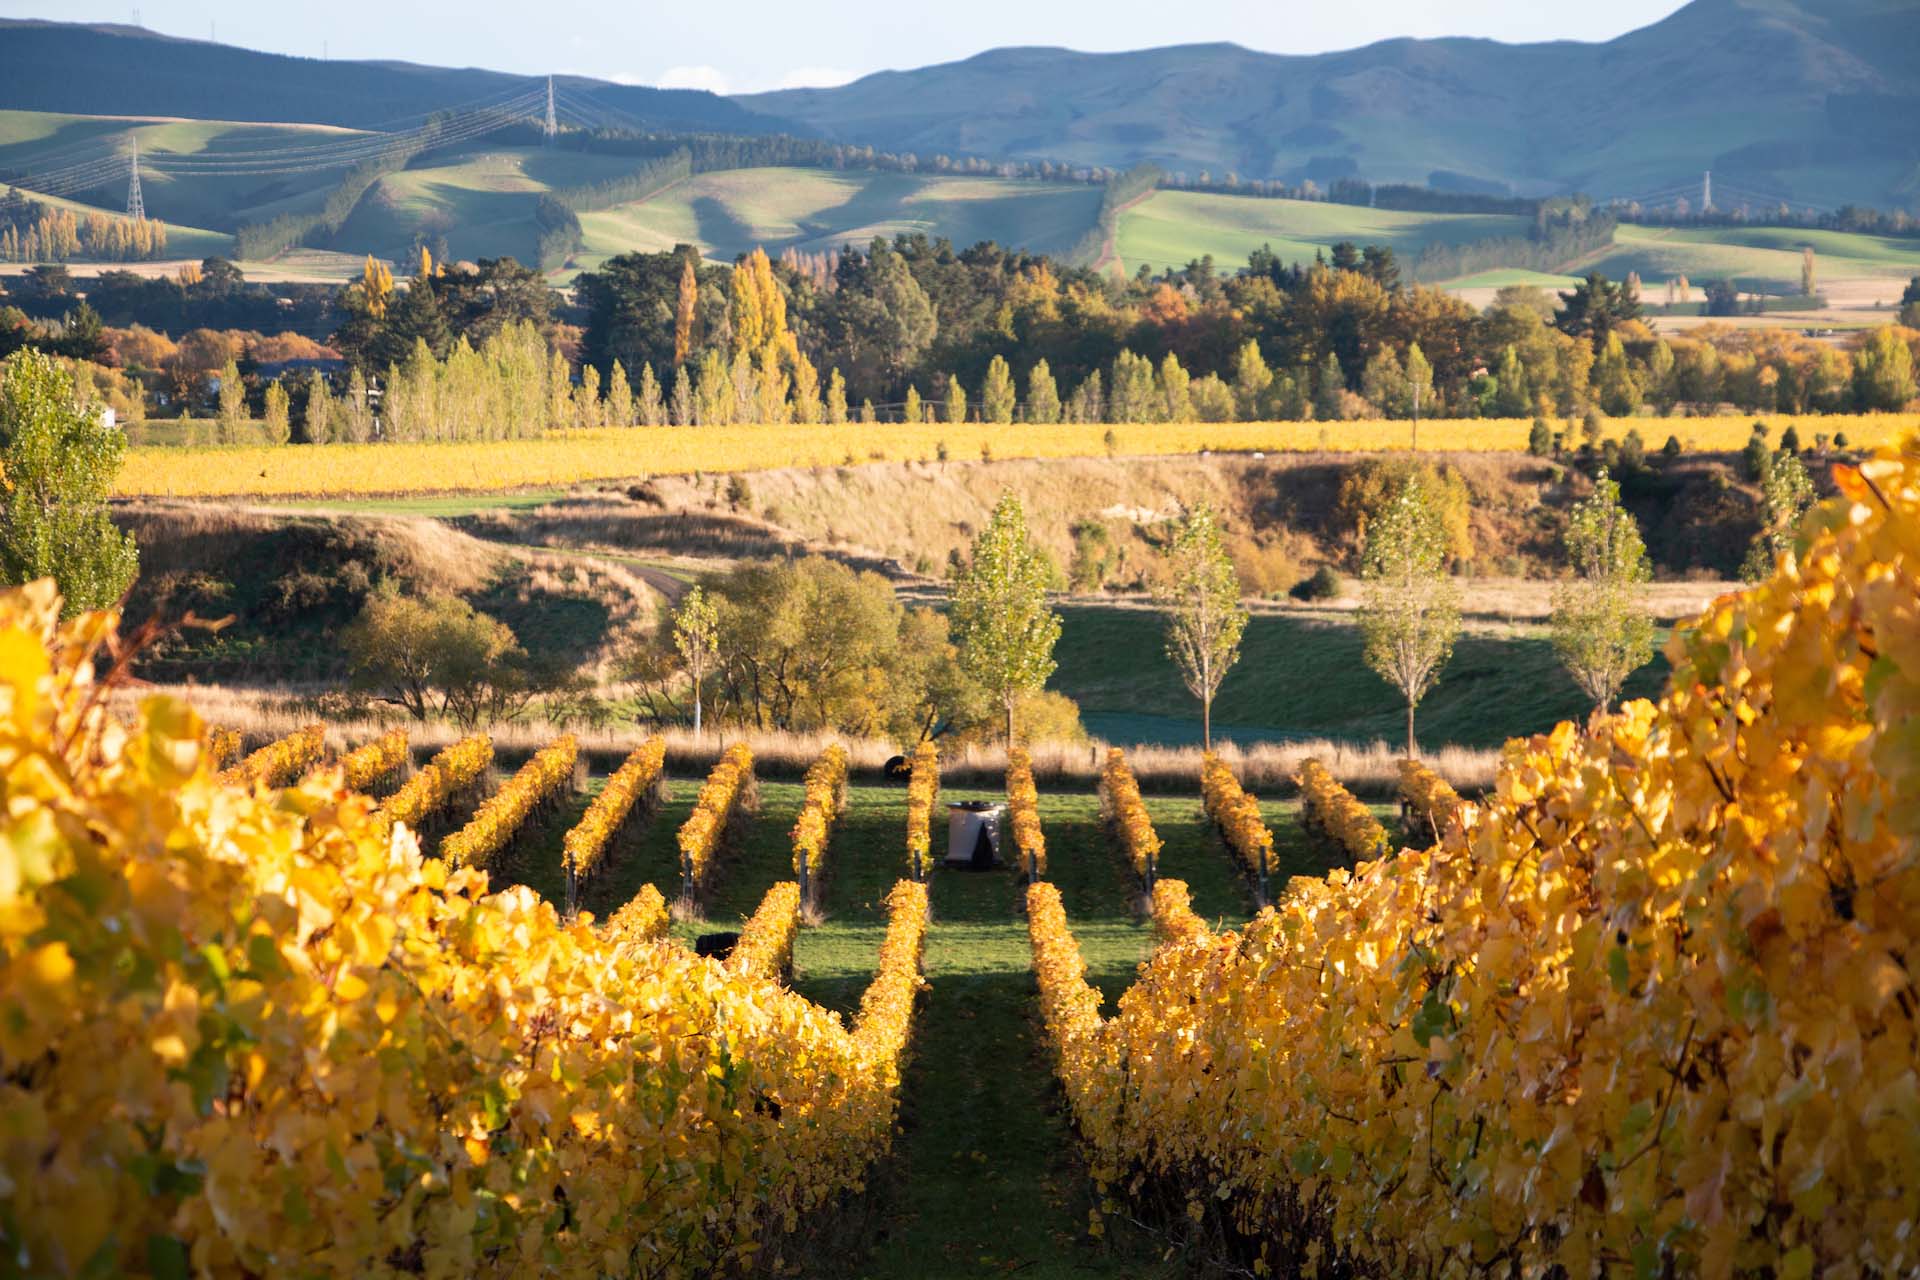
584	456
1646	1007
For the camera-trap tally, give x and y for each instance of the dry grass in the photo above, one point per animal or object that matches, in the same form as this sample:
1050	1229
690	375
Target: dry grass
261	716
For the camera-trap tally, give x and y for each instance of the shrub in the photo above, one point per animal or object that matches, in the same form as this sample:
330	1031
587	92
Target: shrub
1324	584
1540	439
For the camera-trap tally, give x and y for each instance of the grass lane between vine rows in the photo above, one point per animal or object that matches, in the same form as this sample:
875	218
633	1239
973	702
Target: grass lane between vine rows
985	1178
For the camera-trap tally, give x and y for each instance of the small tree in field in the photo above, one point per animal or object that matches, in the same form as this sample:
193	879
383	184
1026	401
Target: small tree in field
1205	616
1410	608
1001	620
1600	626
696	634
58	461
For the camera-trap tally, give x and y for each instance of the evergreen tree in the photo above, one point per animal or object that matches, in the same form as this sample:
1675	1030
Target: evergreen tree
59	459
1043	395
1329	392
997	394
1001	620
1600	625
619	408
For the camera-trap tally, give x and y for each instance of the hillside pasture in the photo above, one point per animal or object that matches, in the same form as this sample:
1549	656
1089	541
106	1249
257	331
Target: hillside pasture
814	210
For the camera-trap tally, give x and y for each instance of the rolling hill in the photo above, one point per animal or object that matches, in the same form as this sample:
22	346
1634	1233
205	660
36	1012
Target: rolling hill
106	69
1815	101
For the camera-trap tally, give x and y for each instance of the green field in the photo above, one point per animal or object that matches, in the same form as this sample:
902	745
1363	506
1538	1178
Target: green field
814	210
1305	677
985	1178
1171	228
1765	259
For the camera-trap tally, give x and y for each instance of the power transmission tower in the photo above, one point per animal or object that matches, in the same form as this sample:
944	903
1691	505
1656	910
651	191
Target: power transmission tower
553	123
136	206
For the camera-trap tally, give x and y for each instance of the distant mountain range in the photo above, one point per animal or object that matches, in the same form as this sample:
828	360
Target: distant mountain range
1816	101
103	69
1813	101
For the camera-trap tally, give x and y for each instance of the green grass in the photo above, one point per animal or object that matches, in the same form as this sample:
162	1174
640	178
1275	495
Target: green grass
815	210
1171	228
1766	259
985	1177
445	506
1304	677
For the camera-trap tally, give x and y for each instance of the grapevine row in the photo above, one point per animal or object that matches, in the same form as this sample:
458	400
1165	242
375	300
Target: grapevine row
729	788
501	815
1173	915
1023	812
584	848
223	747
457	771
1651	1013
282	760
1329	809
366	767
340	1057
826	801
923	792
1125	814
765	948
1236	815
644	918
1428	803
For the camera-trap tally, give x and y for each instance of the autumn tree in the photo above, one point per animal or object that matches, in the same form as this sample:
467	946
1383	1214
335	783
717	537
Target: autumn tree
233	402
1205	614
1002	622
276	414
696	636
59	460
1786	491
1410	608
996	394
435	655
1600	625
1043	394
956	400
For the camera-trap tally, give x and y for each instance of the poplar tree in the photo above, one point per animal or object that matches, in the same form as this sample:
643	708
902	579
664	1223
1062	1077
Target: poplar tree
1002	623
956	400
559	392
619	409
1410	607
836	398
650	409
233	402
1043	394
912	409
319	413
682	408
277	414
586	398
684	312
1251	379
1600	625
1174	384
997	395
1205	614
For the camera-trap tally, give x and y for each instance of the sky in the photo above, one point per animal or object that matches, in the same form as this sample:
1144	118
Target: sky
744	46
